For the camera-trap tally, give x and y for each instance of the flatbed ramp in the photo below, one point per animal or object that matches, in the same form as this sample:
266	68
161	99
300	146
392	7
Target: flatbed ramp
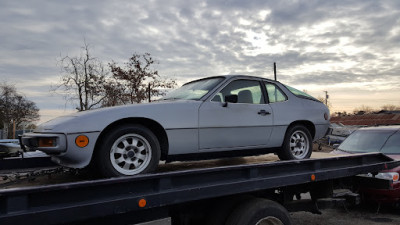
148	197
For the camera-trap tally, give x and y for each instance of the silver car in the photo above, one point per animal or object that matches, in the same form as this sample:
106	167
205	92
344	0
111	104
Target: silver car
207	118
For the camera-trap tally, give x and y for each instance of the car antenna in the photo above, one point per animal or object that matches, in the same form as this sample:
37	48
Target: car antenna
275	70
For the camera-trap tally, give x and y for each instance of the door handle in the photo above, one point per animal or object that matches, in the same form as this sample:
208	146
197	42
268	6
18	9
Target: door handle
263	112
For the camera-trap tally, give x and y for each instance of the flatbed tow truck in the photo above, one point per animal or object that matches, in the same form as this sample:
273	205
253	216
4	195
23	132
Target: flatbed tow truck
254	194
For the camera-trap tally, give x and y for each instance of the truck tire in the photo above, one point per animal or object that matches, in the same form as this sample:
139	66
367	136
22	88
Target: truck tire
297	144
259	211
127	150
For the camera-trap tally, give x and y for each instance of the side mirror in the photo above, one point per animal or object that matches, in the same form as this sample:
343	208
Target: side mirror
231	99
335	146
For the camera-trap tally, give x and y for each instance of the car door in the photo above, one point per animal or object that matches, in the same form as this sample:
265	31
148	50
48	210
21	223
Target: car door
246	123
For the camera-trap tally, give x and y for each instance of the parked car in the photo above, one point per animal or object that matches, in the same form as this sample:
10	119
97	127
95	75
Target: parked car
339	133
377	139
9	148
207	118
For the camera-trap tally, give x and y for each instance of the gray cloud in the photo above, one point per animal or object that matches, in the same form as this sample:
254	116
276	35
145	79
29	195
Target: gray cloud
313	42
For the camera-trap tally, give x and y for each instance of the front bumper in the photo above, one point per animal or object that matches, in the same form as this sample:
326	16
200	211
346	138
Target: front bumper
30	142
379	190
382	196
65	152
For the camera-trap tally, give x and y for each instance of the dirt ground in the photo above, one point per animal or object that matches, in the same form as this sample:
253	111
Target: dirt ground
356	216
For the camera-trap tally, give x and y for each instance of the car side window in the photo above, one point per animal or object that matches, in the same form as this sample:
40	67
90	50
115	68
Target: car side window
274	93
247	91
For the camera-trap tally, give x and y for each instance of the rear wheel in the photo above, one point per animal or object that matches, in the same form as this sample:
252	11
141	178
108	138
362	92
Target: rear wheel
128	150
259	211
297	144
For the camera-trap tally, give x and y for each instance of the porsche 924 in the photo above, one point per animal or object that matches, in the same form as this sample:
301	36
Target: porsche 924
212	117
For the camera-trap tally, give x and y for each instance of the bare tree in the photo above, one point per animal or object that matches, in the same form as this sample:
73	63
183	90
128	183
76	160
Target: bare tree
344	113
137	81
363	109
83	80
87	83
15	109
113	93
390	107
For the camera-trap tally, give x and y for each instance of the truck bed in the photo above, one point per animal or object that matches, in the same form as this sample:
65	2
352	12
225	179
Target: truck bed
83	200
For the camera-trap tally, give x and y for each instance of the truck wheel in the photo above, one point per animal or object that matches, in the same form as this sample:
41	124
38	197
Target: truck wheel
297	144
128	150
259	212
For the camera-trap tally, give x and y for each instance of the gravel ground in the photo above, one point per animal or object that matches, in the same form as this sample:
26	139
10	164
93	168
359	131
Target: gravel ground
357	216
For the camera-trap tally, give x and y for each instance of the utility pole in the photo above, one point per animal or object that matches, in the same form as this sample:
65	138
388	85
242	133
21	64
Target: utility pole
326	97
149	92
275	70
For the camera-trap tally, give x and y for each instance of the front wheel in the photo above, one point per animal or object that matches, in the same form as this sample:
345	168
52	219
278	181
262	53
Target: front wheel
297	144
128	150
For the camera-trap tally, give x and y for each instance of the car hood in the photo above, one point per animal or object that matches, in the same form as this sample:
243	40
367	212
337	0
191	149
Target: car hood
166	113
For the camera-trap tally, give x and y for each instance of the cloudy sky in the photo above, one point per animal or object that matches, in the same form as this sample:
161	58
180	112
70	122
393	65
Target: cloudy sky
349	48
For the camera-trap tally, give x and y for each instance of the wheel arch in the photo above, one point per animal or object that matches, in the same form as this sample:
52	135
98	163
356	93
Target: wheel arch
308	124
154	126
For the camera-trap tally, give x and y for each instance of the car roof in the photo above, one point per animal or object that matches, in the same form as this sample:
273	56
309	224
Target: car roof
233	76
240	76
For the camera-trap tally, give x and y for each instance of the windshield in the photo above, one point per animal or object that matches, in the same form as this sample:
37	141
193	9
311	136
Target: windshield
366	141
194	90
300	93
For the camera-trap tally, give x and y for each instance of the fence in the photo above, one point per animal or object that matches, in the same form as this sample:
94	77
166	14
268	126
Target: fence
18	132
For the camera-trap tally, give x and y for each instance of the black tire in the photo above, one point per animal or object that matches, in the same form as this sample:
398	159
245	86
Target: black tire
259	211
294	136
130	145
